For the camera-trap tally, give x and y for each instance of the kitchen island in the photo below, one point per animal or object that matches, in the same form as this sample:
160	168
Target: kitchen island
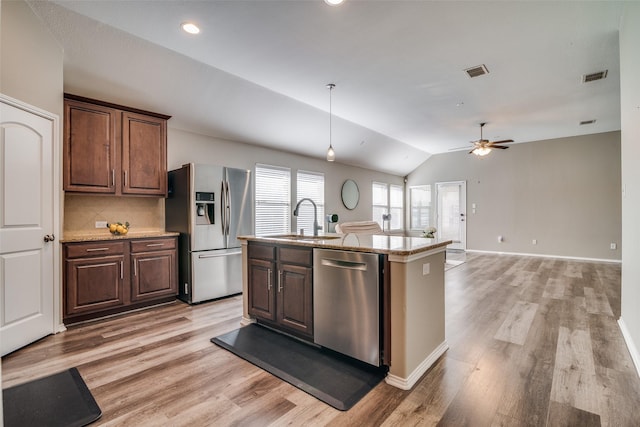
412	292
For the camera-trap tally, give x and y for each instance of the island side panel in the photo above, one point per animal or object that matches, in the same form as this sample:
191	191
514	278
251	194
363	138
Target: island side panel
417	316
246	318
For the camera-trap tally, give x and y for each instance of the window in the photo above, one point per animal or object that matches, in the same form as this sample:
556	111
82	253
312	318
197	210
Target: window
388	199
396	194
380	197
420	202
310	185
273	200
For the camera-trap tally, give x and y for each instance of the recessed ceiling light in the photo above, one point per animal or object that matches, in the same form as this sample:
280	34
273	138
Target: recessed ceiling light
190	27
333	2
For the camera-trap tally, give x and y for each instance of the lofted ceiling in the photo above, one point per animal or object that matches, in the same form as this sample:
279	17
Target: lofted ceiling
258	69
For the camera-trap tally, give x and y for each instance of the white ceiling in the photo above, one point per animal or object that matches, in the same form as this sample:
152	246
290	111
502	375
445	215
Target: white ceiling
257	71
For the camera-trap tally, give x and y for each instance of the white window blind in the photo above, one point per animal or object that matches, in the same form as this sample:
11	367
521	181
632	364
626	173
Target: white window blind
420	202
273	200
310	185
396	206
380	201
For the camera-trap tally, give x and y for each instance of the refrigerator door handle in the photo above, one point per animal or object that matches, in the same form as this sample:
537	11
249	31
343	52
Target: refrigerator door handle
223	211
228	211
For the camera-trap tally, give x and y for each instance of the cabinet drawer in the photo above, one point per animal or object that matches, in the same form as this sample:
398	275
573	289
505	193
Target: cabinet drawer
296	256
152	245
262	251
95	249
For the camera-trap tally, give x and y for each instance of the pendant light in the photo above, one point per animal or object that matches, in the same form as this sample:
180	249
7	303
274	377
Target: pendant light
331	154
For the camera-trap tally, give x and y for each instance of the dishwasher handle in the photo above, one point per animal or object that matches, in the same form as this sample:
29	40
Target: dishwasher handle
348	265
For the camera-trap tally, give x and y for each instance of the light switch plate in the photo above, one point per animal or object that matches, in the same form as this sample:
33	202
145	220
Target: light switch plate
426	268
614	246
101	224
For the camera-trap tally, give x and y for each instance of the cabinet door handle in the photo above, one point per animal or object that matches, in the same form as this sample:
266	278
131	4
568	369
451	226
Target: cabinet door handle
125	178
113	177
280	281
268	279
135	268
97	249
121	270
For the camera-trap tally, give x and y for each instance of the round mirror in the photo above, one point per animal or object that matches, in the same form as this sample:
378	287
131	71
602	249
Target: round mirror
350	194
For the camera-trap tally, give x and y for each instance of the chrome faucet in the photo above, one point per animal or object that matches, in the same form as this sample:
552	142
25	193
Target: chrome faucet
316	227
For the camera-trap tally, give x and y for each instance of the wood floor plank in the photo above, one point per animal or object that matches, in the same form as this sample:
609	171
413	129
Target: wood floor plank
574	376
516	326
597	302
563	415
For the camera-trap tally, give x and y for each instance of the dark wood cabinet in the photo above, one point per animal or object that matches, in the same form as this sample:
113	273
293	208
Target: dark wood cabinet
144	154
262	301
112	149
90	147
154	269
94	277
281	287
107	277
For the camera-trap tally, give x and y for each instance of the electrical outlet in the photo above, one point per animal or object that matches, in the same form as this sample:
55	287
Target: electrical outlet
426	268
614	246
534	242
500	239
101	224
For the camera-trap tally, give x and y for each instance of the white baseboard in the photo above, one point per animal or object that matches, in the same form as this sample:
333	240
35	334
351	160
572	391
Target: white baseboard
247	321
616	261
412	379
635	356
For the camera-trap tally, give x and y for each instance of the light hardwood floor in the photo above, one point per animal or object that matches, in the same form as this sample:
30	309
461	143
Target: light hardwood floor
533	341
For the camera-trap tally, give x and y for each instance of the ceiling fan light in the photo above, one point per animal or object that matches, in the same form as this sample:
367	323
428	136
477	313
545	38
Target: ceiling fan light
190	27
333	2
481	151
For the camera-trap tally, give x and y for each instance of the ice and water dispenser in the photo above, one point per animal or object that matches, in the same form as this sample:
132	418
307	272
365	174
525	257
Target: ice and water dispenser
205	208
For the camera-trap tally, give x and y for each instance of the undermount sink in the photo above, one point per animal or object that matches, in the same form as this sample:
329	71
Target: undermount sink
301	237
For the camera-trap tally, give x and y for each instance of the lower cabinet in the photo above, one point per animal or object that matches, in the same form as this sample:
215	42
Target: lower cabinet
106	277
280	290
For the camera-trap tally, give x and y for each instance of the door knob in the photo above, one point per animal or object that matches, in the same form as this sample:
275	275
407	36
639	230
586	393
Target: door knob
49	238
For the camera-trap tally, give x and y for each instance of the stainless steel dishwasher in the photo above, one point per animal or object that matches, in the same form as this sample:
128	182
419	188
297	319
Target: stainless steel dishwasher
346	303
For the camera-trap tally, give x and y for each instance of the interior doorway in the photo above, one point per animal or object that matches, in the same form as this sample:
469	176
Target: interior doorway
451	212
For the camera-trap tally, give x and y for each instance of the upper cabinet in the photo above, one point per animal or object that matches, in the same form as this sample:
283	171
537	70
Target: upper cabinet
111	149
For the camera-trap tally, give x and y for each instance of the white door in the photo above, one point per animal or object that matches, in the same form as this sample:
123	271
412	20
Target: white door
27	188
451	201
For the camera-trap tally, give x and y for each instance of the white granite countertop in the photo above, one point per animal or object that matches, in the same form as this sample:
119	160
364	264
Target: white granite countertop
375	243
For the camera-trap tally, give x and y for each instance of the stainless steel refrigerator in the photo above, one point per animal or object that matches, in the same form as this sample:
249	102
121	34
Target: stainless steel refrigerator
210	206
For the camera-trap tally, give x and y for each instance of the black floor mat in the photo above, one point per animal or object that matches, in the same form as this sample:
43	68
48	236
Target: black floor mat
337	381
60	400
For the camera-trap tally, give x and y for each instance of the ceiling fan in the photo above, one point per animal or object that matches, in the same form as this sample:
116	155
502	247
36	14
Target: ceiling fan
482	147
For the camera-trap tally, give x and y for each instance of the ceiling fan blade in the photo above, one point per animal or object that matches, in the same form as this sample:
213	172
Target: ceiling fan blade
504	141
498	146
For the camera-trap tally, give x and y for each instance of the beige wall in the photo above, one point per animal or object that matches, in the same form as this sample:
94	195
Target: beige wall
30	59
565	193
630	120
185	147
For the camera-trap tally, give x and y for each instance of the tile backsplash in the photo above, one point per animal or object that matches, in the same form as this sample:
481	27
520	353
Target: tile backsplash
143	213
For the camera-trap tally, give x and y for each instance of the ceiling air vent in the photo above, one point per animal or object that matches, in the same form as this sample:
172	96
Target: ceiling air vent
594	76
587	122
477	71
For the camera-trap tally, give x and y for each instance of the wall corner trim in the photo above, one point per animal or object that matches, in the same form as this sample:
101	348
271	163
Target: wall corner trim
633	350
